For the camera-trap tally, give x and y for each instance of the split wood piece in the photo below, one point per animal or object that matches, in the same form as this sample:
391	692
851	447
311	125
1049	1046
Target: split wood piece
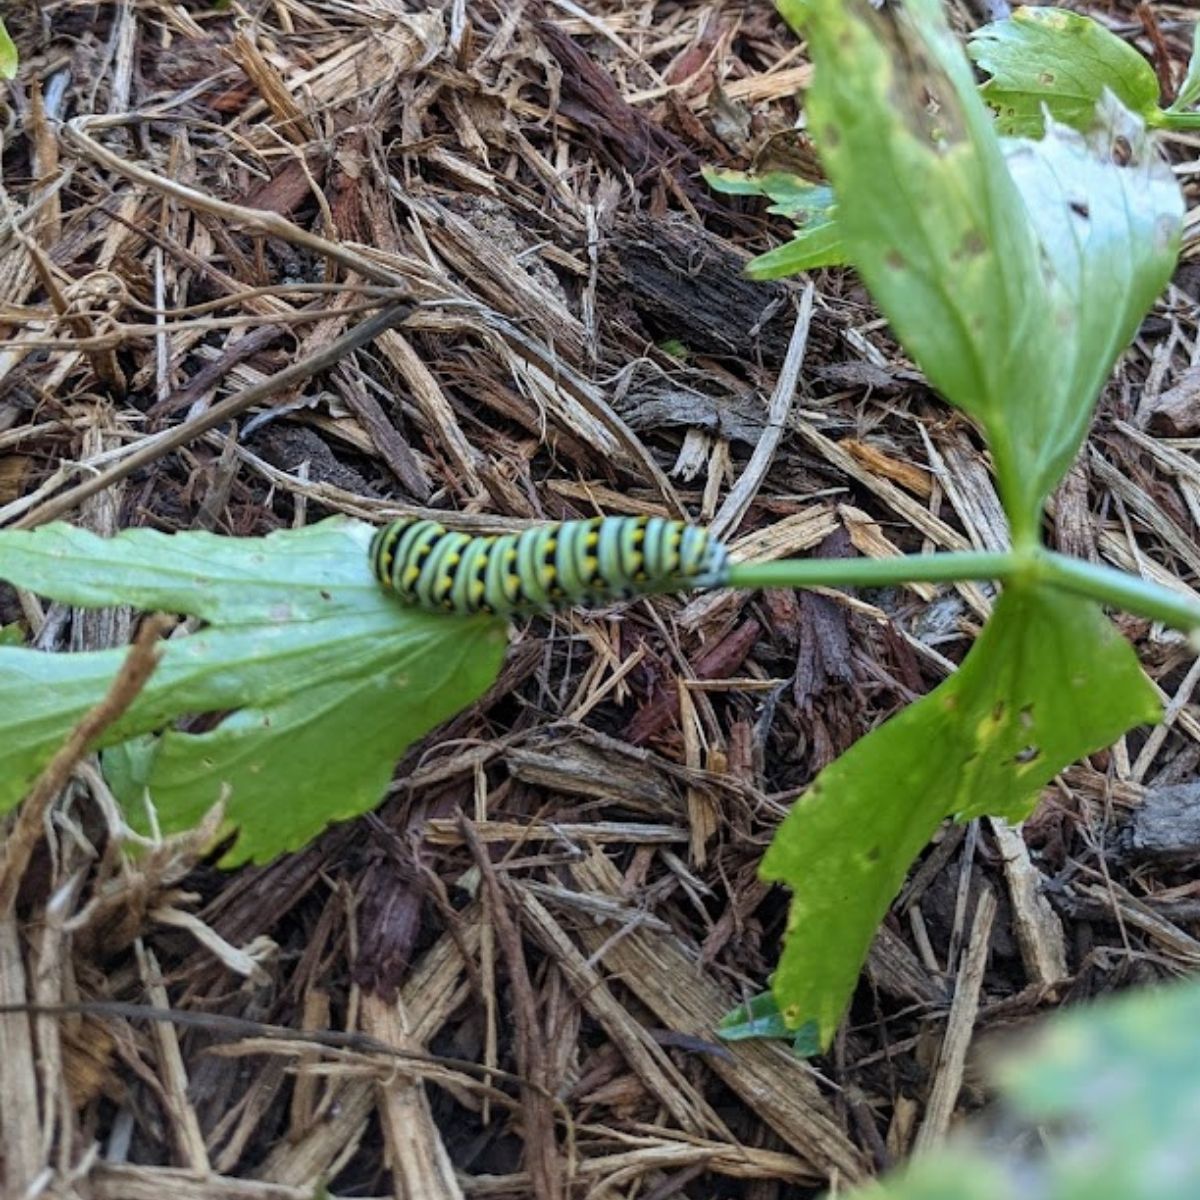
21	1148
184	1125
427	395
717	662
421	1167
1038	927
547	1166
645	1057
776	1086
895	969
869	540
435	990
445	832
960	1028
1129	910
737	503
901	503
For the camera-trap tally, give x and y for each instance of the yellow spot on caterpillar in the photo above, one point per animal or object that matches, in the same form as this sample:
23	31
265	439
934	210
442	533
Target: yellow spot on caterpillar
592	541
452	560
590	564
551	545
548	574
511	556
411	576
477	590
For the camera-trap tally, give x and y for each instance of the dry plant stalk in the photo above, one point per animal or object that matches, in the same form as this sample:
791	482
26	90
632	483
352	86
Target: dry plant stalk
137	668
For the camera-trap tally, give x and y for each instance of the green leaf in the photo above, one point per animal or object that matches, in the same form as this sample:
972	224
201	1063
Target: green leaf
1048	680
287	576
990	278
954	1174
326	678
1114	1091
760	1018
8	55
1108	215
1128	1070
11	635
1043	59
816	242
810	248
1189	90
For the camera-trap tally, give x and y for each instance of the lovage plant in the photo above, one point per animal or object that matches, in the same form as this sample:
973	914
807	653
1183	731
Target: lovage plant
1014	272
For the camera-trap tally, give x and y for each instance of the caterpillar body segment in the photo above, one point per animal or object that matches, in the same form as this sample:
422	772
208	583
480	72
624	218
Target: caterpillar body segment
545	568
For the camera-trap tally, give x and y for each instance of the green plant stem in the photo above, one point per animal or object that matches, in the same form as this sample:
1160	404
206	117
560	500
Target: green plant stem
1118	589
1105	585
1180	120
873	572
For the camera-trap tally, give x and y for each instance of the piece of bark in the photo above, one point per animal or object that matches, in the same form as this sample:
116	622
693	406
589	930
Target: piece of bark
1166	826
1176	412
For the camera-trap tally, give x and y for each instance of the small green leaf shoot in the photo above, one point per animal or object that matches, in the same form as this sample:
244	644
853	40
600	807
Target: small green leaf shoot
8	55
1189	90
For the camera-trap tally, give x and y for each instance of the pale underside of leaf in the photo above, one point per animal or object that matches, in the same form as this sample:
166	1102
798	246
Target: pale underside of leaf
326	679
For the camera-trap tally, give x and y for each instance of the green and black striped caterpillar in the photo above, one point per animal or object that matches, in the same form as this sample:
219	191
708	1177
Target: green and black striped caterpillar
541	569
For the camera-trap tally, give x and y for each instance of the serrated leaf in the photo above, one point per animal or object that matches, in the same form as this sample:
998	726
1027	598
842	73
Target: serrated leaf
1043	59
988	284
816	242
327	679
1189	90
8	55
810	248
1048	681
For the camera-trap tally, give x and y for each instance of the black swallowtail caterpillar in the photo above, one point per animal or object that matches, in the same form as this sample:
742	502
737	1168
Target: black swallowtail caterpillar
545	568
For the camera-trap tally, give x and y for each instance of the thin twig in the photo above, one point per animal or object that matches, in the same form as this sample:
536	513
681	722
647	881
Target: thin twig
137	668
225	410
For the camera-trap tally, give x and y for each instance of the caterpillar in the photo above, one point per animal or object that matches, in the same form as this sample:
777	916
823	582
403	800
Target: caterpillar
544	568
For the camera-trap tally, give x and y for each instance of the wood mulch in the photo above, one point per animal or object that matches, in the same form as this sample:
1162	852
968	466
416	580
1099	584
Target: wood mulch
505	981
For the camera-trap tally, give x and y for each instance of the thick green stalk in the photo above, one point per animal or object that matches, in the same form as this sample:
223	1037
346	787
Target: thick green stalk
1118	589
1179	120
872	572
1102	584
